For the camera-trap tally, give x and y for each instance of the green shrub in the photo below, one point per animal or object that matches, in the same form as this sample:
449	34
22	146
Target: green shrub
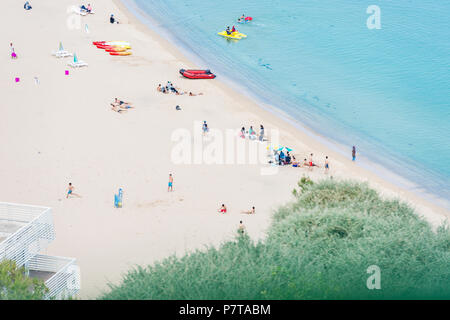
15	285
318	247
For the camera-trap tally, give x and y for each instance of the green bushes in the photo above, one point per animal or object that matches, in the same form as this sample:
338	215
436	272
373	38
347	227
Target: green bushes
15	285
318	247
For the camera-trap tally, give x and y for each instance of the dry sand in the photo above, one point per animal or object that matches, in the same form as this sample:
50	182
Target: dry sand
62	130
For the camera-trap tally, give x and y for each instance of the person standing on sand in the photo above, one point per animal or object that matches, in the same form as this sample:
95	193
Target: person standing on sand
327	165
261	133
241	228
13	52
170	187
205	128
311	164
353	153
70	189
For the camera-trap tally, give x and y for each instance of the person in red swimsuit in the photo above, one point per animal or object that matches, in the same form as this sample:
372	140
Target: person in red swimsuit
222	209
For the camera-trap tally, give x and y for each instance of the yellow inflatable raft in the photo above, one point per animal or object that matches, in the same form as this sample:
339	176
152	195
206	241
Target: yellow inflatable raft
234	35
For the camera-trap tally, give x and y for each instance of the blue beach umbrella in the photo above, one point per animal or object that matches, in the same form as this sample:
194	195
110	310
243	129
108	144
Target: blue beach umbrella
75	58
288	149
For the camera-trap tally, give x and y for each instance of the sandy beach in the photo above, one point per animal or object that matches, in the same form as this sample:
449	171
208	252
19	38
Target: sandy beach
60	129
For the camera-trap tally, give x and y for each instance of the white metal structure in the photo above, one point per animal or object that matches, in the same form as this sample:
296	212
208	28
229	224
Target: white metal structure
24	232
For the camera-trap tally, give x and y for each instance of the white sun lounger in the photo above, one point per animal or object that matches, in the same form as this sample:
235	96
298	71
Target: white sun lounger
78	64
62	54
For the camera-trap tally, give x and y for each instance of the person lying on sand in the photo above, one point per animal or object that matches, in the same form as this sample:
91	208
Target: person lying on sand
193	94
309	164
118	102
117	108
252	211
87	9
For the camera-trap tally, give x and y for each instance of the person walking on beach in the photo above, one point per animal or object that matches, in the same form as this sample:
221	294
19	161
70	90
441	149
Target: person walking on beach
205	128
170	187
327	165
241	228
353	153
261	133
13	52
311	164
70	192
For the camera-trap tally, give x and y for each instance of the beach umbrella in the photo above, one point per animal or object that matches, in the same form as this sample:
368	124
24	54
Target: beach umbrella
288	149
75	58
280	148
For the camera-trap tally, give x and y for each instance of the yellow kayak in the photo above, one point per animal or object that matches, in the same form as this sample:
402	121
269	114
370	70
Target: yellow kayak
234	35
240	34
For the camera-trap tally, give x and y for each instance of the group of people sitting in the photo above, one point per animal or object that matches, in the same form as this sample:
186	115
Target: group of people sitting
120	106
87	9
169	87
283	159
251	133
286	159
229	32
241	19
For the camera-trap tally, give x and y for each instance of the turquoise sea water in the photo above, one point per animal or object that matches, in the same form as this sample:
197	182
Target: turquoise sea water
386	91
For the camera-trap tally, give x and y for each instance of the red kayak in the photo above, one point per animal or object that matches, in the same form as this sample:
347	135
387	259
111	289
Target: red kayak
197	74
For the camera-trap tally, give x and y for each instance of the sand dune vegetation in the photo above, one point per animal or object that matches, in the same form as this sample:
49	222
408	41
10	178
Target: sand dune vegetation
319	246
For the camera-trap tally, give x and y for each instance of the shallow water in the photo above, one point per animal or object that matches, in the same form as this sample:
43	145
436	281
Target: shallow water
385	91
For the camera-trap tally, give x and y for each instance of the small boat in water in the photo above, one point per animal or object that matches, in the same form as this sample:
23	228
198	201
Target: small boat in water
197	74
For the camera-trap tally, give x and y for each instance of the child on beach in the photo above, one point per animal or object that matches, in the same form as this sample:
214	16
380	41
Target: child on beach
170	187
222	209
70	191
353	153
13	52
205	128
327	165
241	228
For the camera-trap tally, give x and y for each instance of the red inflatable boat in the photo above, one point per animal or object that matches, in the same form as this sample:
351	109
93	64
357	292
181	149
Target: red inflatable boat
197	74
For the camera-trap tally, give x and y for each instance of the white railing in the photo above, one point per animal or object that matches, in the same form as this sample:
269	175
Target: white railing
34	235
64	275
